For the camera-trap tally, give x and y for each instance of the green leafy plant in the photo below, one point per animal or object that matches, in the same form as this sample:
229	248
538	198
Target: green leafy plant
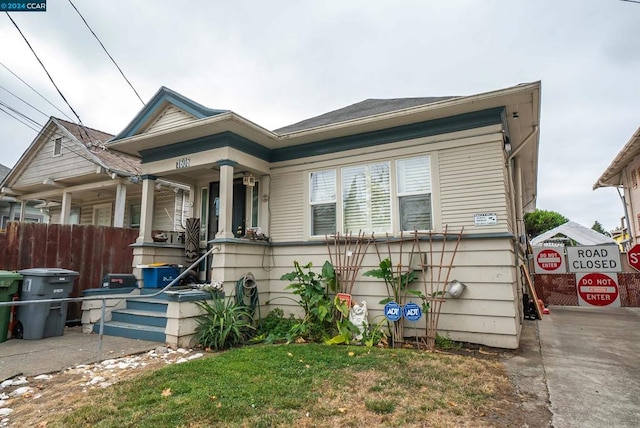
274	327
223	324
313	291
397	282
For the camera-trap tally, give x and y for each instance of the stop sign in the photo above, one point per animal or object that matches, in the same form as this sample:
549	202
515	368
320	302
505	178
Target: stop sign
633	256
598	289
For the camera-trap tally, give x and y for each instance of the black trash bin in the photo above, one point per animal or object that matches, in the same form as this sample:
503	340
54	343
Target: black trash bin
39	320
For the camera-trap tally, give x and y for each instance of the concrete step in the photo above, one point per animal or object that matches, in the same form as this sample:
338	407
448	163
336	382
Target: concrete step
132	331
138	316
146	304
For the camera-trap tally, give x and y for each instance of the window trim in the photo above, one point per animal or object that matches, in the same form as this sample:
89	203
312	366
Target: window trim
394	203
57	147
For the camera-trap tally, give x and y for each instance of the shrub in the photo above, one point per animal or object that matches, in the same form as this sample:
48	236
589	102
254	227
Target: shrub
224	323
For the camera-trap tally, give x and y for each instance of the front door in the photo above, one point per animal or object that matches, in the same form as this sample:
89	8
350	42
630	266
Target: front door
238	210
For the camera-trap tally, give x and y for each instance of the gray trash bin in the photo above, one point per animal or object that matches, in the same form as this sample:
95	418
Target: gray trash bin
40	320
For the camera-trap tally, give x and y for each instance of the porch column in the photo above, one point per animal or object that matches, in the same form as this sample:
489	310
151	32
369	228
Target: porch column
191	201
121	198
23	209
65	209
226	199
12	211
146	209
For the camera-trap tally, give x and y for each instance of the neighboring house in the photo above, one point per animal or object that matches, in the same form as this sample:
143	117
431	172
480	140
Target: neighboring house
76	180
624	174
382	166
10	207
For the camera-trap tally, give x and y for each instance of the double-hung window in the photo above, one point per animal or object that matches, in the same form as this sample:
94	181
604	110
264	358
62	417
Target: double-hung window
414	193
323	202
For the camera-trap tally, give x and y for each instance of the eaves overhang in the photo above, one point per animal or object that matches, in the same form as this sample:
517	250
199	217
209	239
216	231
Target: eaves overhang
612	176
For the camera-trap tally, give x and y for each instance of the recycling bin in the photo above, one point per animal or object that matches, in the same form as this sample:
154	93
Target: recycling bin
39	320
8	287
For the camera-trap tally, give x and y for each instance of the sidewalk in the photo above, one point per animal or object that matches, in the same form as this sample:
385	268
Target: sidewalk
52	354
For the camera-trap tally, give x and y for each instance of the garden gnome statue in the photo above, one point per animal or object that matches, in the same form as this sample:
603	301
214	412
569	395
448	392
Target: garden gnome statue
358	315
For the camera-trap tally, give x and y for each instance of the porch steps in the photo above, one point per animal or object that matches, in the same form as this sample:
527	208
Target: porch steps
143	318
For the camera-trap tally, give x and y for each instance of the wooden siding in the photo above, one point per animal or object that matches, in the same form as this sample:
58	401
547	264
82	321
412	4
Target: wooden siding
488	312
169	118
472	180
74	161
89	250
288	207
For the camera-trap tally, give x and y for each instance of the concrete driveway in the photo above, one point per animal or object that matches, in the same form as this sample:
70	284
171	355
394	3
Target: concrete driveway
591	362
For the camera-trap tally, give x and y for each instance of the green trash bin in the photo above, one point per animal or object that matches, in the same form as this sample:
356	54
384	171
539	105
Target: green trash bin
8	287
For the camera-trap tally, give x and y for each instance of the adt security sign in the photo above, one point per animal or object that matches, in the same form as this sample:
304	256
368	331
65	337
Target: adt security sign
598	289
392	311
412	312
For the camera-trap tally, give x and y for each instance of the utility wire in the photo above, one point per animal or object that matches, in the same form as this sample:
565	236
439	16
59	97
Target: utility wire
45	69
36	91
105	51
19	114
28	125
30	105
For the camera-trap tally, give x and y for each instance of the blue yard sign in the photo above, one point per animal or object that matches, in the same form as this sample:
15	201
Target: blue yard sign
412	312
392	311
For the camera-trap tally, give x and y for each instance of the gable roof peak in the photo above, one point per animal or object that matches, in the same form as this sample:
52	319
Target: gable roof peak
163	97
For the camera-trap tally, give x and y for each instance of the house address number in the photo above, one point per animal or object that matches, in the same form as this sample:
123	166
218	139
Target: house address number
183	163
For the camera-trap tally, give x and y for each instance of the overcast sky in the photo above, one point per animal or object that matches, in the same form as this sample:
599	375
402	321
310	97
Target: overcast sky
278	62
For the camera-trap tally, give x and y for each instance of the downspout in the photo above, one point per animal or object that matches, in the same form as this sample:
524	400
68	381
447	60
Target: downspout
626	214
519	224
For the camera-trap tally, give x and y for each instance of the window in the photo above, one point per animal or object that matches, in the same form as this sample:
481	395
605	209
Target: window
134	214
373	198
57	146
255	205
322	197
366	198
204	212
414	193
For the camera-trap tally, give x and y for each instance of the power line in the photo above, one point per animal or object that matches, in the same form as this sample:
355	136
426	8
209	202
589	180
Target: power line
19	113
33	107
105	51
45	69
36	91
632	1
18	119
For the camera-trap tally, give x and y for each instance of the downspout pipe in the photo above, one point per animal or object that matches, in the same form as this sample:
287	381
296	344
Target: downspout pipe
527	139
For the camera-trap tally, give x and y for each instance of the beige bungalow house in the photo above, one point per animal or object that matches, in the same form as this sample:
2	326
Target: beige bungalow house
76	180
624	174
382	166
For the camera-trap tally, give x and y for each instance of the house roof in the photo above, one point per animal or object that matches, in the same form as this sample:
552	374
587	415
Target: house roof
94	140
368	107
612	176
582	235
157	103
4	170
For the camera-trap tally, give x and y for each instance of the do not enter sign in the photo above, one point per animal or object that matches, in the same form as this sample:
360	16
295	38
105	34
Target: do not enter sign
598	289
549	260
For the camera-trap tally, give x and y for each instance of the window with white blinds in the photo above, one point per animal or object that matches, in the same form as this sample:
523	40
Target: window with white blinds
414	193
366	198
322	197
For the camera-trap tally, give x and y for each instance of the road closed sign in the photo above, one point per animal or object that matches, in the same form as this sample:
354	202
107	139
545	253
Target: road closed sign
598	289
594	258
549	260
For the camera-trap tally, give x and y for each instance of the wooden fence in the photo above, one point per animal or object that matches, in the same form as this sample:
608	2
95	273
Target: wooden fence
560	289
92	251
